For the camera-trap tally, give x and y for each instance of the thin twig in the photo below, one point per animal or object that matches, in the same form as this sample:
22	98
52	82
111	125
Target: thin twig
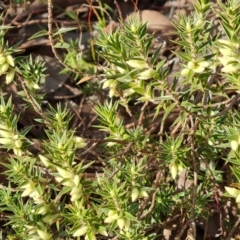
195	170
7	188
162	226
50	37
119	10
122	153
179	237
135	3
142	113
151	197
31	100
229	237
89	149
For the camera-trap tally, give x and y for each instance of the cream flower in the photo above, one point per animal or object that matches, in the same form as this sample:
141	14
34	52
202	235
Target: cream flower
196	66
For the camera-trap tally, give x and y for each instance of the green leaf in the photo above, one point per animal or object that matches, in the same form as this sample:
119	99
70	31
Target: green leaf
139	90
184	56
144	99
125	79
62	45
63	30
39	34
64	190
168	110
155	56
72	14
236	172
25	130
147	45
5	27
137	63
53	186
164	98
129	216
228	29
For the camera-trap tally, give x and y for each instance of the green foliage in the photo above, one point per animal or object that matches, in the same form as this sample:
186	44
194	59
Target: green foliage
49	196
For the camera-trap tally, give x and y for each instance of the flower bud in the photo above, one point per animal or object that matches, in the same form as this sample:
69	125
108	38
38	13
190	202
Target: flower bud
234	145
127	224
133	170
3	109
76	190
113	84
134	194
199	22
17	151
180	169
111	213
2	59
103	232
91	236
147	74
133	28
43	235
238	198
143	194
80	231
4	68
10	76
49	218
69	183
210	142
76	196
128	92
140	64
10	60
188	27
185	71
58	116
108	220
107	83
112	92
121	222
37	198
29	185
35	86
44	209
59	179
60	146
18	143
121	70
80	142
112	193
27	192
76	180
111	218
64	173
174	170
44	160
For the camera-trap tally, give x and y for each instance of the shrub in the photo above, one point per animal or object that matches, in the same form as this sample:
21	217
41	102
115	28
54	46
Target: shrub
136	194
